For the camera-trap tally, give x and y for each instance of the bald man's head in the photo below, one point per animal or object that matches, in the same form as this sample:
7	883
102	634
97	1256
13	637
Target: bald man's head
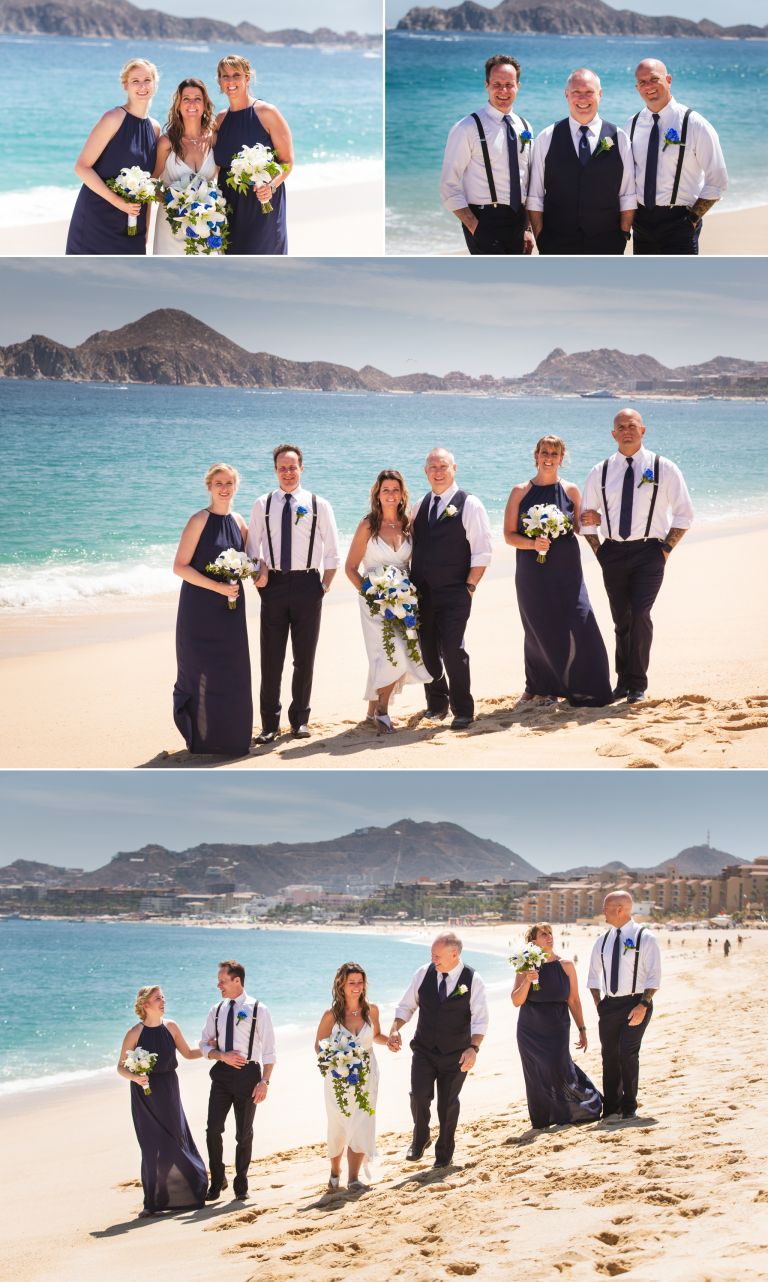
653	81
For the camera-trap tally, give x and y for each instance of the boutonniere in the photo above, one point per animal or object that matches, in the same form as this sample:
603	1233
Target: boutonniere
526	138
671	139
646	478
449	512
459	991
242	1014
629	946
605	144
300	512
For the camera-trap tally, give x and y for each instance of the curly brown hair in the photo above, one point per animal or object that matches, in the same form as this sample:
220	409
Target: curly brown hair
375	515
338	1001
532	931
174	127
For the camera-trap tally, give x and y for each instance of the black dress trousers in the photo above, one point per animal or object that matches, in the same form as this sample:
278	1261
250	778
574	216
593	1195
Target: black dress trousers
291	604
443	616
431	1070
231	1088
499	230
633	573
665	230
620	1043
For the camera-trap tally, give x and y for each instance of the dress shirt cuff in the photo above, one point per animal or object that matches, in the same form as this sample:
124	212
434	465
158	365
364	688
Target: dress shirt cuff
710	192
479	1026
480	558
455	201
627	202
535	203
403	1013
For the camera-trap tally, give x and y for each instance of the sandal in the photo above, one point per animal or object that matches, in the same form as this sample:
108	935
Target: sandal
383	723
333	1183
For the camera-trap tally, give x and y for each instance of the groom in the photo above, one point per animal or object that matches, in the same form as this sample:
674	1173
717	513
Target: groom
238	1035
451	551
453	1019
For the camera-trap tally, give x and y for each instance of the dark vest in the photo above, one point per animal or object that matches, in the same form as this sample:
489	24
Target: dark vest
441	552
581	197
444	1026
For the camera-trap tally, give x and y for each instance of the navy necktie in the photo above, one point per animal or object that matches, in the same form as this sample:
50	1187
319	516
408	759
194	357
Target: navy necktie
515	195
433	509
584	152
615	962
442	991
285	536
651	165
627	495
229	1036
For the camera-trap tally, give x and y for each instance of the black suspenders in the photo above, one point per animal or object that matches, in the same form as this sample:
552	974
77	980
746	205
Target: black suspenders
252	1032
311	533
654	496
680	151
486	155
637	959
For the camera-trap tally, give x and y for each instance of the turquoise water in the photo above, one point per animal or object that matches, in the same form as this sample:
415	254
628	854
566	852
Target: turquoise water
434	80
55	89
98	480
69	987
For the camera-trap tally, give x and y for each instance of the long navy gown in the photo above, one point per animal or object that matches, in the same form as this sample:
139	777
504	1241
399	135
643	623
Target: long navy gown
564	652
173	1173
96	226
558	1091
212	704
250	231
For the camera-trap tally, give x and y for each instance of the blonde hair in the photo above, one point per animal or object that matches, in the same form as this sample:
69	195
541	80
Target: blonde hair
532	931
557	441
234	61
142	997
138	62
221	467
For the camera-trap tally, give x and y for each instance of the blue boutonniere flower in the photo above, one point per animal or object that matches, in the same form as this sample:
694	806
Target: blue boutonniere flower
300	512
526	138
242	1014
605	144
671	139
646	478
629	946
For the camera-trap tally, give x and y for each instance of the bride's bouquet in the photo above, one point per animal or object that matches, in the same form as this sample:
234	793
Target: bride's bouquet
134	184
343	1057
233	566
545	520
254	167
140	1061
389	593
529	957
199	210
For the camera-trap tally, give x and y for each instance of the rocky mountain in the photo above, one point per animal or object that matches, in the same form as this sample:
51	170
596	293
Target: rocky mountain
698	861
118	19
170	347
566	18
26	870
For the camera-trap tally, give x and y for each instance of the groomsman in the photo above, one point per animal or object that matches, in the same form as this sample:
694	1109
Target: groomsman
484	181
581	194
451	551
642	504
624	974
293	534
679	167
238	1035
453	1019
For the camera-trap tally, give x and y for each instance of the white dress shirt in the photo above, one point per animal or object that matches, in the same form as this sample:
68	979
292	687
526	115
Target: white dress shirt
325	551
649	962
264	1037
673	509
627	197
478	1004
464	180
474	517
703	173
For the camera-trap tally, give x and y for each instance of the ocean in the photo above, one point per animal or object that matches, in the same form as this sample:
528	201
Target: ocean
331	98
434	80
69	986
99	479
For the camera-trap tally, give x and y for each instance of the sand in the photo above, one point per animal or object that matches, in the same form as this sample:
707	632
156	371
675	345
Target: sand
94	689
677	1193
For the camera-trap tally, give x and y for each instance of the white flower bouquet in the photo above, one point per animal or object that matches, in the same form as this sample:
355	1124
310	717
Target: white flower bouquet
343	1057
134	184
140	1061
254	167
200	211
545	520
388	591
529	957
233	566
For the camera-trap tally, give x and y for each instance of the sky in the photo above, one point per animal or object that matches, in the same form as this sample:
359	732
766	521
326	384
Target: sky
408	315
553	819
738	10
339	15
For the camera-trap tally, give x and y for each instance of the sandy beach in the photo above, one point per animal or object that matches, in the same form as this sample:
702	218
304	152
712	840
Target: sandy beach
677	1193
93	689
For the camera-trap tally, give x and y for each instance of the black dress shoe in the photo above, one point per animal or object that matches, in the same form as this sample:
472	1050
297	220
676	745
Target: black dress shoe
635	696
214	1191
436	714
461	723
632	1113
440	1166
301	732
415	1154
267	736
620	692
240	1197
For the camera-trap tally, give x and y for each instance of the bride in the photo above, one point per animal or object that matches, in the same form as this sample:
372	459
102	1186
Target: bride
184	152
383	538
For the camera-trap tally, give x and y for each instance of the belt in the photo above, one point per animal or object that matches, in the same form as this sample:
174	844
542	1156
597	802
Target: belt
286	574
499	204
652	538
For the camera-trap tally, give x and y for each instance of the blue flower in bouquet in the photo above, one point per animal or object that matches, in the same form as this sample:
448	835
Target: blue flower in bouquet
214	242
409	621
191	233
646	478
389	614
366	584
300	512
168	197
526	138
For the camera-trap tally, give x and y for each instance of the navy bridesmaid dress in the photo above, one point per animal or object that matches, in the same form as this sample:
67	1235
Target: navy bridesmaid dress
558	1091
212	704
564	653
250	231
96	226
173	1173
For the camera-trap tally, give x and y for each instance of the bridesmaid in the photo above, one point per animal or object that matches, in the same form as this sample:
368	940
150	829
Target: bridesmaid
123	137
185	151
563	651
247	121
212	703
173	1173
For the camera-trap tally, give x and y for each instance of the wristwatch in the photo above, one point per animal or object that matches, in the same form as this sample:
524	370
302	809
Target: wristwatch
645	1001
471	587
665	547
474	1048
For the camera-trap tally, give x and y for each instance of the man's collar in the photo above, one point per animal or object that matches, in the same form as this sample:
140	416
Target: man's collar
447	495
594	125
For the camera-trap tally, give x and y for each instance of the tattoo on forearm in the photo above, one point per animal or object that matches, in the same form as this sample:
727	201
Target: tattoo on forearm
596	994
593	542
648	993
674	537
701	206
465	216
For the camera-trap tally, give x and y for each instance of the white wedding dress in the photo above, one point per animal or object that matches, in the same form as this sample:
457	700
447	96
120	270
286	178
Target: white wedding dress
177	173
381	672
358	1131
